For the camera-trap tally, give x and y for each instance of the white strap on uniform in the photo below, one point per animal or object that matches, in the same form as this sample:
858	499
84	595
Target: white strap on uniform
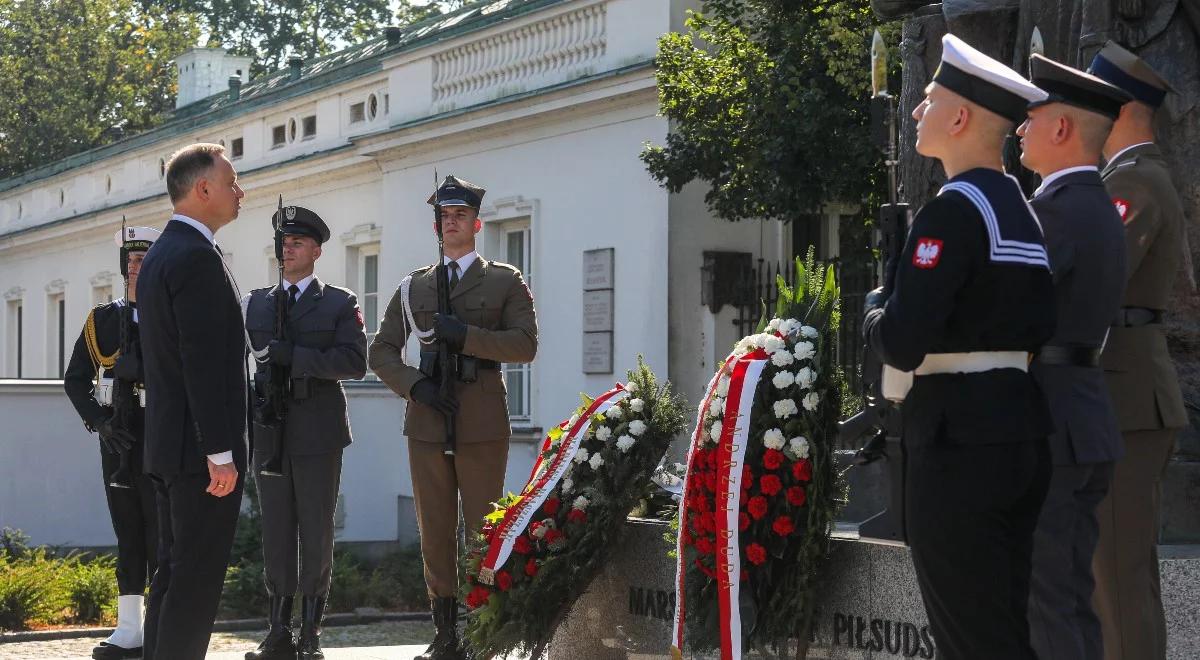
423	336
896	383
259	356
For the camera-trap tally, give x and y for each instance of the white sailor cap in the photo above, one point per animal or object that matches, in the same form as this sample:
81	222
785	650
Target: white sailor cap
136	238
985	81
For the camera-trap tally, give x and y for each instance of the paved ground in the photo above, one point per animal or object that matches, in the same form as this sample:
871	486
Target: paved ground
379	641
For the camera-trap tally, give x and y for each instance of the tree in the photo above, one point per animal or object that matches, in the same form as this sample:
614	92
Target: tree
71	70
769	105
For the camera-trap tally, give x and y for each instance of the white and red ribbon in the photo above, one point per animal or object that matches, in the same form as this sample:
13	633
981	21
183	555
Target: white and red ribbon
546	473
744	373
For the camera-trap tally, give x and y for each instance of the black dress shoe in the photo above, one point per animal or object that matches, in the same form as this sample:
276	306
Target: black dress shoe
106	651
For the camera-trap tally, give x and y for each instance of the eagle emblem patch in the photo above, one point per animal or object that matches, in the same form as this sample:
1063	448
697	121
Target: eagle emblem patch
290	212
1122	207
928	253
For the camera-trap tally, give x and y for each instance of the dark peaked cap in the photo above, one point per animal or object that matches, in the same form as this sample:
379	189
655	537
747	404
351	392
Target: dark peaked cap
457	192
299	221
1074	87
1131	73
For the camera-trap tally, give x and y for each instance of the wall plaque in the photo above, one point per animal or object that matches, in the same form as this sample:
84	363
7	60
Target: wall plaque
597	352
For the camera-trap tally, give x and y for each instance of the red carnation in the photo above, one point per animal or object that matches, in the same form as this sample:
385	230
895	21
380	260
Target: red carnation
531	567
577	516
702	505
772	459
747	476
770	485
553	535
551	506
522	545
478	597
504	580
802	470
757	507
704	545
796	496
783	526
756	554
708	522
710	481
743	522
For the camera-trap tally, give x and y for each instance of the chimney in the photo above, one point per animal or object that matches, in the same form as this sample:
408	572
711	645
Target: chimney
393	35
235	87
295	63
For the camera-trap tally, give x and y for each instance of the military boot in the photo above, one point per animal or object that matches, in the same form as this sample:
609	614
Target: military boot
278	644
312	609
445	638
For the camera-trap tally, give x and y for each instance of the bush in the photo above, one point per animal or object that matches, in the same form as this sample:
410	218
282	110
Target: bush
92	589
401	578
30	589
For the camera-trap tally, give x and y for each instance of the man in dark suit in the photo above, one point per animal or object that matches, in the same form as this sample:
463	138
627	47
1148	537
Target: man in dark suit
323	342
1061	141
194	348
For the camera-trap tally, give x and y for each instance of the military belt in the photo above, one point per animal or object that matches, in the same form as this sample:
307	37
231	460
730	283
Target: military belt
487	364
1070	356
1133	317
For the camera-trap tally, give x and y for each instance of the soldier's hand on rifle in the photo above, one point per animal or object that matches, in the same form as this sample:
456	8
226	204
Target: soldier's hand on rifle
449	329
115	440
128	367
280	352
874	300
426	391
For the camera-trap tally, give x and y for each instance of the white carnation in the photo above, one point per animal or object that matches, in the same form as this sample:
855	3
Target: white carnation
809	332
580	503
625	442
716	407
568	484
631	387
540	531
773	344
603	433
811	400
788	327
799	446
773	439
782	358
723	386
760	340
581	456
805	378
785	408
637	427
615	413
773	325
744	346
783	379
596	461
715	432
637	405
805	350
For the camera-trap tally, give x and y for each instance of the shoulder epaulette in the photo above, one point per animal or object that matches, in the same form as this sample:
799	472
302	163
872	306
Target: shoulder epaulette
501	264
93	345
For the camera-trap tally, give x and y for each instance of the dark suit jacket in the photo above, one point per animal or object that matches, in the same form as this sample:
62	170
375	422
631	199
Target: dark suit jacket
1086	243
326	327
194	351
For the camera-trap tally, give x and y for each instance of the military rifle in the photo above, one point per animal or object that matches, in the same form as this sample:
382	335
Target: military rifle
445	369
879	417
124	392
272	388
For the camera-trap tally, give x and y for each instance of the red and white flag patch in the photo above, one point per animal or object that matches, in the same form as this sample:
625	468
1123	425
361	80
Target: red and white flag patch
1122	207
928	253
359	317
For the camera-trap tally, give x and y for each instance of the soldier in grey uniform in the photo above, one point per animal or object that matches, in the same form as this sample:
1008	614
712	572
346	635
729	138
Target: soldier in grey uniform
1061	141
324	343
1139	370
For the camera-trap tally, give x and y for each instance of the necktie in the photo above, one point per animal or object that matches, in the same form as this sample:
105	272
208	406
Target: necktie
293	296
453	266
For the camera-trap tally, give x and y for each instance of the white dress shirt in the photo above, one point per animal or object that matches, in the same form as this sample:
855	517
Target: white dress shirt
464	262
302	285
1061	173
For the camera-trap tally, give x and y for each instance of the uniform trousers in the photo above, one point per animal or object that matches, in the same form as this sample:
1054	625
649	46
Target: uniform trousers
135	522
195	539
297	523
1062	623
970	514
474	475
1128	596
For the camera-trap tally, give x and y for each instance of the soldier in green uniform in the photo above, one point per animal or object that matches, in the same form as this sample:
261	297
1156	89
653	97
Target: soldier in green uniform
493	321
325	343
1138	368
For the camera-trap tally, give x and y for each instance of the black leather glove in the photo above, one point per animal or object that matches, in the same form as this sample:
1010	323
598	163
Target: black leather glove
128	367
875	300
115	440
280	352
450	330
426	391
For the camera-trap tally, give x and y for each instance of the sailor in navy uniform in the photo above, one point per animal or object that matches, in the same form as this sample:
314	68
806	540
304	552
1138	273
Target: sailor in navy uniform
971	301
88	381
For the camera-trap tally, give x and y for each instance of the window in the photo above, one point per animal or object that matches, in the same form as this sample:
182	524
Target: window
372	107
387	104
357	112
108	184
310	127
62	197
519	377
162	168
20	210
278	136
368	292
16	338
291	130
56	308
236	148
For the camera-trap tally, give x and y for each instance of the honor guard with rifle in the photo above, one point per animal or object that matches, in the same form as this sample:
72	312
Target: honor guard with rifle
469	315
306	336
972	300
1137	364
1061	142
104	382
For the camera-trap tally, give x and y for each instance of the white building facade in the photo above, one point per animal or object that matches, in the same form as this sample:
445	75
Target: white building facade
546	103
